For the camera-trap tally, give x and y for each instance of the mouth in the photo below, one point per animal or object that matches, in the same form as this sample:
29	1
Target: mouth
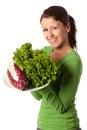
52	40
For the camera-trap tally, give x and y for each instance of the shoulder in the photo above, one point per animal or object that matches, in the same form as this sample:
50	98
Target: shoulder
73	58
76	59
72	62
75	63
47	49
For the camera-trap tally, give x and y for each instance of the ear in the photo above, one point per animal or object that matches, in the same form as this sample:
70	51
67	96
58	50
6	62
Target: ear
68	27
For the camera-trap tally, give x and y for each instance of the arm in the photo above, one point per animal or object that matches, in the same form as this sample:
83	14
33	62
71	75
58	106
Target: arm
68	88
36	95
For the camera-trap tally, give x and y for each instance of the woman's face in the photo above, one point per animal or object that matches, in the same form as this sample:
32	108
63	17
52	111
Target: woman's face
55	32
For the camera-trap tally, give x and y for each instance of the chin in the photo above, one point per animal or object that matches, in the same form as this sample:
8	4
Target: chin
55	46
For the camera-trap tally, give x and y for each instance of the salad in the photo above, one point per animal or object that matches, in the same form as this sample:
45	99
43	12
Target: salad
34	68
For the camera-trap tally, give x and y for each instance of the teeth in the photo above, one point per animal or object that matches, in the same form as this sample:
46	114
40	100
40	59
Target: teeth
52	40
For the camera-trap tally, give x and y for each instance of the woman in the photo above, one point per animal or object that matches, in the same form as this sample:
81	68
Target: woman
57	111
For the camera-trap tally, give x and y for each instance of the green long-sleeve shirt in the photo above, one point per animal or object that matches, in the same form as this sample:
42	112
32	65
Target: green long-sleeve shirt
57	111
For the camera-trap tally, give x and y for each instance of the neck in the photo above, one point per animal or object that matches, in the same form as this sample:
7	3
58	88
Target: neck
58	53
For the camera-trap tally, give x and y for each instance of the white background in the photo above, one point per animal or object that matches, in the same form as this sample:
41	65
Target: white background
19	23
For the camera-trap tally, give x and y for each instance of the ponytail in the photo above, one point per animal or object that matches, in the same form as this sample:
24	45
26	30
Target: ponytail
72	33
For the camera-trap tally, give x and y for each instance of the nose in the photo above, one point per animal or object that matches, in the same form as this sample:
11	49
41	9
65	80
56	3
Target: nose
50	33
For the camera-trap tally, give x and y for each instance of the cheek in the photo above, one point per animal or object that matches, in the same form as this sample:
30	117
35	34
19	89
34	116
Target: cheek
58	33
62	34
45	35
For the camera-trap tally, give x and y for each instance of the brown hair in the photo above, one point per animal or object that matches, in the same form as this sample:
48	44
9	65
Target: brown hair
60	13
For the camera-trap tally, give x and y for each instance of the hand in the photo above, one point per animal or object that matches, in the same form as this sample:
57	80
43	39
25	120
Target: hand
47	89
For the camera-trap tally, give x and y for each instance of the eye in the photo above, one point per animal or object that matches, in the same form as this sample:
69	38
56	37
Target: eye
55	27
45	30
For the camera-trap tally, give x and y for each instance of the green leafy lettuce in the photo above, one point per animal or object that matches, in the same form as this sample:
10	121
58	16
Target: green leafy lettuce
39	67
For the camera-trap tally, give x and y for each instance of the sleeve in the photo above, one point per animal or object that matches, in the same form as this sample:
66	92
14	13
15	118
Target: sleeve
68	88
36	95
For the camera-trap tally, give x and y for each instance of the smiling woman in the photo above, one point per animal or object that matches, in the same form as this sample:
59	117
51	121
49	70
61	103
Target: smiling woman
19	23
58	109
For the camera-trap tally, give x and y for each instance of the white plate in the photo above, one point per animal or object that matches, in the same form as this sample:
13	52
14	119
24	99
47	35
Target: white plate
7	83
41	87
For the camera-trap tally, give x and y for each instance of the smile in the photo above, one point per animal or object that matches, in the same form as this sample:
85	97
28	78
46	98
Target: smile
52	39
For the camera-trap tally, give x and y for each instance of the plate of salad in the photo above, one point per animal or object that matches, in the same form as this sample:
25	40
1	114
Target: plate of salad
31	68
